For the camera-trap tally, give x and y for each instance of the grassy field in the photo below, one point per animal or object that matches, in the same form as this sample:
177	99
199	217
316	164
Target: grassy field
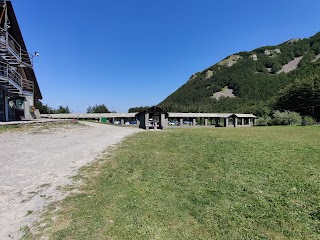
209	183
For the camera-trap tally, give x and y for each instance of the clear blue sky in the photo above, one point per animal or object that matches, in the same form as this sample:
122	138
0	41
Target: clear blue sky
128	53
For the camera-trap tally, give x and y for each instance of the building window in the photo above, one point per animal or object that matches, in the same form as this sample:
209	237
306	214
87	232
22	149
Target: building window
20	103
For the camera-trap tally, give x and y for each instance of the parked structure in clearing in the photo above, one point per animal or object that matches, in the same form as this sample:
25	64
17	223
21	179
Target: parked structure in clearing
18	84
158	118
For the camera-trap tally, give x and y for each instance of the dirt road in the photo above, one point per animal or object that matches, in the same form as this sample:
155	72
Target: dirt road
35	162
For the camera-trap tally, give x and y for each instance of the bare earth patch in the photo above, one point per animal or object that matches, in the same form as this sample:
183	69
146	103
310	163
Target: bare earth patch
34	164
225	92
316	58
290	66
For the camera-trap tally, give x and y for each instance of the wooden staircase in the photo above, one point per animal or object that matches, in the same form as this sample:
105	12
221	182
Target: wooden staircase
13	81
12	57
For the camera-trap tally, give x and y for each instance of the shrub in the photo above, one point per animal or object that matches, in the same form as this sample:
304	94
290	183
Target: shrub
276	67
263	121
307	120
286	118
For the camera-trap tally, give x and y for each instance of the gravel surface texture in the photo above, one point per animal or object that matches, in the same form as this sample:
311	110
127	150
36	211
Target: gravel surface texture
35	162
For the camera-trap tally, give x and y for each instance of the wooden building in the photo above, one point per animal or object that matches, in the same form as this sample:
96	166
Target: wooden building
158	118
18	84
153	117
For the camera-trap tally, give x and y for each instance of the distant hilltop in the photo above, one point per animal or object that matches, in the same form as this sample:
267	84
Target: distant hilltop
247	81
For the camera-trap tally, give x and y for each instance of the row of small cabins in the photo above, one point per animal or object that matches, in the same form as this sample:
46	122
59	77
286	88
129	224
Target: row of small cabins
158	118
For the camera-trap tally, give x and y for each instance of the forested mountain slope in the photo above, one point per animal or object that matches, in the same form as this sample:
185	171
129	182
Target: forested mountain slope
255	77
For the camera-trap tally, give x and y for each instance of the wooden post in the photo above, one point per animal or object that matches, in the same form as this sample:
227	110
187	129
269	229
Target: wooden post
163	122
217	122
226	122
146	121
206	122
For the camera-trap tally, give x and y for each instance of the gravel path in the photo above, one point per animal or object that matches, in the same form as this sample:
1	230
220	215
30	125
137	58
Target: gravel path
34	163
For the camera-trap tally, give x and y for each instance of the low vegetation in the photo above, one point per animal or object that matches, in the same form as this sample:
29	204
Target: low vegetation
36	127
212	183
285	118
9	128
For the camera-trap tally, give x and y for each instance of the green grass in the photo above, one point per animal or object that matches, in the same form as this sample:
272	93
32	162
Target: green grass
9	128
253	183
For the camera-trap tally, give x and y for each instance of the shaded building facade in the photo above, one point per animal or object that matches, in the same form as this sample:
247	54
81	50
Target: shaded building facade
18	84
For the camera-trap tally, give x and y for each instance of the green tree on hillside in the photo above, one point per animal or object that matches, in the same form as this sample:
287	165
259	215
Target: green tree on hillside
316	47
276	67
254	82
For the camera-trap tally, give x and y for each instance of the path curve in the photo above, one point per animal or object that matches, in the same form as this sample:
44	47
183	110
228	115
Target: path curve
34	163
